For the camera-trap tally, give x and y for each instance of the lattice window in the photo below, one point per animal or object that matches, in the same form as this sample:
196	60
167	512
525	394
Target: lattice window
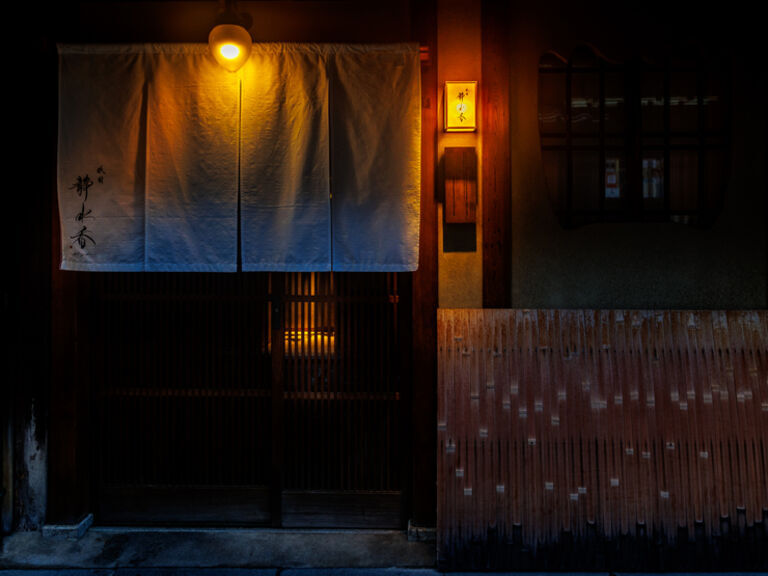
636	140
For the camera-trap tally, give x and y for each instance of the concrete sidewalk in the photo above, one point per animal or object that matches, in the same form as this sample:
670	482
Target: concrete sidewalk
272	572
121	548
329	572
230	552
229	572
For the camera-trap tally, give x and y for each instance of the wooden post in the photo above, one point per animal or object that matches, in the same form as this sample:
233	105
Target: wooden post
424	394
278	426
69	446
496	195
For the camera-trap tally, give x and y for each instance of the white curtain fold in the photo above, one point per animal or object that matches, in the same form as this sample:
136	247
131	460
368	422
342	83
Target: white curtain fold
321	142
101	160
285	187
376	158
192	163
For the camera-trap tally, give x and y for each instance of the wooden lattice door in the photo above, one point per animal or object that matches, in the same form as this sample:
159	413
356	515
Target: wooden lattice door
248	399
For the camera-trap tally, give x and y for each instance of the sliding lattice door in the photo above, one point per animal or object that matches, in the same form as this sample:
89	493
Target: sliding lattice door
248	399
342	400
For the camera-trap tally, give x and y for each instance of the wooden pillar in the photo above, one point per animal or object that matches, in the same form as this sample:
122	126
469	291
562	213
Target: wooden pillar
424	392
69	434
278	399
64	357
496	197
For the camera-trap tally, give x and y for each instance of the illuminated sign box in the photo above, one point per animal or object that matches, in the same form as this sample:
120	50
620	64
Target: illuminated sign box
460	107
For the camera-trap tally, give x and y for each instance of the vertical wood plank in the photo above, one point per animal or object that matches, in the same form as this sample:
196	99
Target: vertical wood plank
460	184
496	193
278	398
424	303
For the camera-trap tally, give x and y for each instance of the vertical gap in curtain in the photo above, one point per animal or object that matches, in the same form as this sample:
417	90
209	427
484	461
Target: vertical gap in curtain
329	74
147	70
239	173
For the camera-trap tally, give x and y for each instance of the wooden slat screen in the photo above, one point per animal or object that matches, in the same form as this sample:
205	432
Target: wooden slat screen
183	380
342	382
342	401
202	419
602	439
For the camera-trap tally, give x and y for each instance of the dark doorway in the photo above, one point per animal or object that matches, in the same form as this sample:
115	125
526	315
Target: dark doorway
249	399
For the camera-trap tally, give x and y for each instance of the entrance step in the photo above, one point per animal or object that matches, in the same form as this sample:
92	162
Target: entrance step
113	548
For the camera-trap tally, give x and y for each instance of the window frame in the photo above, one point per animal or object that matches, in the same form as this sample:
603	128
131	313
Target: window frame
634	142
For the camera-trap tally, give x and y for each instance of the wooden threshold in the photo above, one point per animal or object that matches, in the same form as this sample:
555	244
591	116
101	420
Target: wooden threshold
339	509
248	506
188	505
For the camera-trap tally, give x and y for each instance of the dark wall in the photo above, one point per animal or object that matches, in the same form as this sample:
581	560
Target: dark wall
31	131
190	21
638	265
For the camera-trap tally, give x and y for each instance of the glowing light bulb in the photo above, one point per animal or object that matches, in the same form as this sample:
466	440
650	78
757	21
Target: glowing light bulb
229	51
230	45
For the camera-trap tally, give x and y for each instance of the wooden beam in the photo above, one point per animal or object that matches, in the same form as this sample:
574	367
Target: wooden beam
496	195
424	391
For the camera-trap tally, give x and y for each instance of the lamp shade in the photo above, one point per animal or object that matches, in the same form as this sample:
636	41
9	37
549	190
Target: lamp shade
230	45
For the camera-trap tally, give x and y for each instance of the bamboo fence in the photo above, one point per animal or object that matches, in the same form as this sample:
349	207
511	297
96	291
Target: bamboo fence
571	426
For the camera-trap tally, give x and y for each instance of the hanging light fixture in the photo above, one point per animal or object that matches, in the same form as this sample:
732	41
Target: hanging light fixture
229	40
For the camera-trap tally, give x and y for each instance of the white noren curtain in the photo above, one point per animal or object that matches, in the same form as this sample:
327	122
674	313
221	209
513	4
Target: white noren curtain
311	152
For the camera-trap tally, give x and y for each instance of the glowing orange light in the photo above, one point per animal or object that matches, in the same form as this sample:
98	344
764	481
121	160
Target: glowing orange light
230	45
229	51
460	107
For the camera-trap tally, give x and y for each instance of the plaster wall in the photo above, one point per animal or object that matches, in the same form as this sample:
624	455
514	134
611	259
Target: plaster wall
460	274
32	481
6	469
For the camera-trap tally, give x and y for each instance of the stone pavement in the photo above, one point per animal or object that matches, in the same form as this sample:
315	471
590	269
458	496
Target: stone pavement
229	552
112	549
320	572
